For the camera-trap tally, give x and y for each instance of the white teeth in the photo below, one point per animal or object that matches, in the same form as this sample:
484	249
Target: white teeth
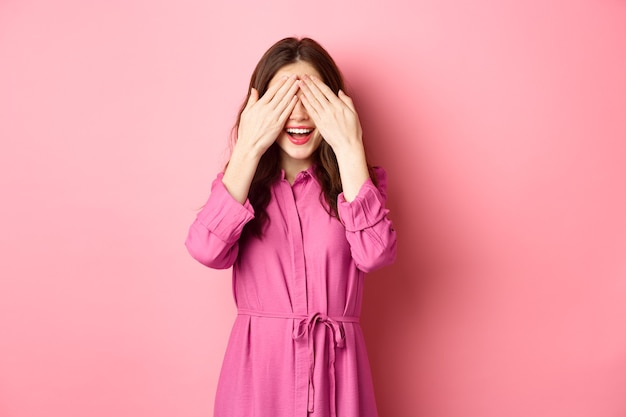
299	131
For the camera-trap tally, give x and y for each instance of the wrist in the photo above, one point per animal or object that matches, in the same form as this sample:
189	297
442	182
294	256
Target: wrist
348	145
245	154
350	154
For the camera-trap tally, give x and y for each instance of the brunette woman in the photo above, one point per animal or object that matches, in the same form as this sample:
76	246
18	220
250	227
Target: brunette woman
300	216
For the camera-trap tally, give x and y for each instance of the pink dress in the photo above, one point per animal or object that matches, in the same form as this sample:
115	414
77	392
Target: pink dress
296	347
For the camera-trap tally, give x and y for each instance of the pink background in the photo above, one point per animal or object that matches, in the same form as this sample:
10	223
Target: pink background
501	124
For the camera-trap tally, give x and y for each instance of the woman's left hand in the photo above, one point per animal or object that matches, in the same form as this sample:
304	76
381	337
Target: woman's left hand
334	115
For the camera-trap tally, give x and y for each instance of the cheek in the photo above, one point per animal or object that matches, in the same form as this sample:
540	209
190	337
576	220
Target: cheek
317	139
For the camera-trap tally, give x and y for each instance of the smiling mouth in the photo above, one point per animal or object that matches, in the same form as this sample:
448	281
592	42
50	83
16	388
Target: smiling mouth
299	135
298	132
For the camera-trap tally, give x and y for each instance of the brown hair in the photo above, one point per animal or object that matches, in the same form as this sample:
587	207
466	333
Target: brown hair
285	52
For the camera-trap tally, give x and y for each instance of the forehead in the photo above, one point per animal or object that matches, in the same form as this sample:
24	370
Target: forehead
299	68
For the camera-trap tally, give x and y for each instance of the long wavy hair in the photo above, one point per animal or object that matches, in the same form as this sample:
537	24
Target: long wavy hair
284	52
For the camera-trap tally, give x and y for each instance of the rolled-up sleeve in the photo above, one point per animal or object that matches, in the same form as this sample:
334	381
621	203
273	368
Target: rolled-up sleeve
369	231
214	235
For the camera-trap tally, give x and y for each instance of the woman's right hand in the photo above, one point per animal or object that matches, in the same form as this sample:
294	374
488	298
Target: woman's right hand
264	118
261	122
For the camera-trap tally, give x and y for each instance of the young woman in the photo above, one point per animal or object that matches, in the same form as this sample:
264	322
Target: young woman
300	217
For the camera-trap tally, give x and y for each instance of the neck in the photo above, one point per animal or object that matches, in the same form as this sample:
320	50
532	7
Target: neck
293	168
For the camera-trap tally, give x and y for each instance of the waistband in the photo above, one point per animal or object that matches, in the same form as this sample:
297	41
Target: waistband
303	331
288	315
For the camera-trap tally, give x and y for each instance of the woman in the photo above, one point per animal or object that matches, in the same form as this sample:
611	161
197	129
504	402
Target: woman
300	217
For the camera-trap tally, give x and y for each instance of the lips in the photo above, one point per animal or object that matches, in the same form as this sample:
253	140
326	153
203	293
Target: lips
299	135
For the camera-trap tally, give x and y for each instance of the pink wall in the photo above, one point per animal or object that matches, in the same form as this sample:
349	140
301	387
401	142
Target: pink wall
501	124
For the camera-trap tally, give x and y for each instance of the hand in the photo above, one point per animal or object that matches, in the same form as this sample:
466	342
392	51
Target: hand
263	119
336	119
334	116
261	122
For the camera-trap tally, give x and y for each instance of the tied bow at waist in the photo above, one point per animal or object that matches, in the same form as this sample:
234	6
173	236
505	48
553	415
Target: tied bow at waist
305	331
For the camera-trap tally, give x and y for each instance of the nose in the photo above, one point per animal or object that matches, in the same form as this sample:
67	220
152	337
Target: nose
299	112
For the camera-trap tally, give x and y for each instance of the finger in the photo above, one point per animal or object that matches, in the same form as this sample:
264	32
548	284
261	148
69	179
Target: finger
312	100
252	98
273	89
287	111
284	91
310	109
315	93
284	96
347	100
328	94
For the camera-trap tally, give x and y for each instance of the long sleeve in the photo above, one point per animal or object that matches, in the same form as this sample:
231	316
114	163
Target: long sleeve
369	232
213	237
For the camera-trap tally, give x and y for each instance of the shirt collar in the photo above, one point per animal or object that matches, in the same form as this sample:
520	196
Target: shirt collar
307	173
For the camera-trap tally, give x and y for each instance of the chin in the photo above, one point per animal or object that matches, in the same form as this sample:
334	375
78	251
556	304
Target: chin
298	152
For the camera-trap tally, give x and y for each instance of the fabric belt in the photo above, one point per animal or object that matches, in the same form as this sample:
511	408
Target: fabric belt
305	330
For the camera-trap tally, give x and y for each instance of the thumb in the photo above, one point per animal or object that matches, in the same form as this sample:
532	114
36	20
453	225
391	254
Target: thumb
347	100
252	98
